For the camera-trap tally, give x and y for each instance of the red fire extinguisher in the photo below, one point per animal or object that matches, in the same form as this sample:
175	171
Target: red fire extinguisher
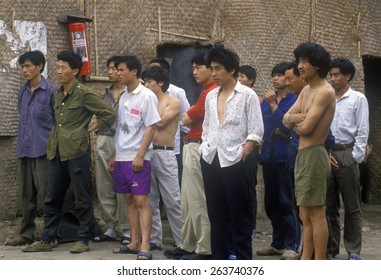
80	44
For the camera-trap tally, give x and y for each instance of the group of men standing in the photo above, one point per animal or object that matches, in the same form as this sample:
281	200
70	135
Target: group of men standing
212	216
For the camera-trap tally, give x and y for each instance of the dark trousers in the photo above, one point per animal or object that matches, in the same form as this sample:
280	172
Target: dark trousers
280	206
228	198
252	162
61	174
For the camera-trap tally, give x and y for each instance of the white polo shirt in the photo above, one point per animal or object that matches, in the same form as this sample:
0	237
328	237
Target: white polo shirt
137	110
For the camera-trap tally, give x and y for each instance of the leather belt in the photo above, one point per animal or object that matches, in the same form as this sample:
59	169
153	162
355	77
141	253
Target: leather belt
158	147
342	147
192	141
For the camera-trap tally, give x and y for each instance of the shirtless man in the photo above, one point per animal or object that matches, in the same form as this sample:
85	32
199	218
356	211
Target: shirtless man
311	117
164	173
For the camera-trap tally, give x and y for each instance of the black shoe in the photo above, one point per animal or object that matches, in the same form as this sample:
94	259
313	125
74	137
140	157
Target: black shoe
195	256
176	253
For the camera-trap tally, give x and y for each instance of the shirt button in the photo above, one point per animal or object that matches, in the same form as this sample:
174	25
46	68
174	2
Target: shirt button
61	114
59	125
63	103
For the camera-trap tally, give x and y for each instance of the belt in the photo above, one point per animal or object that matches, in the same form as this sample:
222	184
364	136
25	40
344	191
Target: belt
192	141
342	147
158	147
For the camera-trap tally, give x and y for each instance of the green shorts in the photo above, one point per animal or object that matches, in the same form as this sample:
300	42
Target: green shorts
312	175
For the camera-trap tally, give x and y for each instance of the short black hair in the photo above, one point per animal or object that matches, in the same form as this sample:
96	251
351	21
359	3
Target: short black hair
294	67
36	57
249	72
279	68
112	59
132	62
316	54
158	74
228	58
74	59
199	58
345	65
162	62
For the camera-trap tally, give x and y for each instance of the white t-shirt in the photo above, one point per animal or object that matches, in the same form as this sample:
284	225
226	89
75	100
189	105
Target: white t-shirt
137	110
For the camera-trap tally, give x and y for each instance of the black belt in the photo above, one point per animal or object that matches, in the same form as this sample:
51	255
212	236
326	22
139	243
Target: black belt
342	147
158	147
192	141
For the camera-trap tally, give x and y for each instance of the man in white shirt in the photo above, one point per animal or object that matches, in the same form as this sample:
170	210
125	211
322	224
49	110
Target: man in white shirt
350	127
232	128
137	116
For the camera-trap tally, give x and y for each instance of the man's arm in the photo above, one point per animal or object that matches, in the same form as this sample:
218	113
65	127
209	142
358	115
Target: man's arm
293	115
138	162
362	124
170	113
315	112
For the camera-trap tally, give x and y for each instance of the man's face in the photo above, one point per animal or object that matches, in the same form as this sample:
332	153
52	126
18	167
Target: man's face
306	69
295	84
279	81
337	79
65	73
124	74
112	72
201	73
219	73
153	85
243	79
29	70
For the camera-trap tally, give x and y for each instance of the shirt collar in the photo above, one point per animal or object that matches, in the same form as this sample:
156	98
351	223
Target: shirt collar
136	90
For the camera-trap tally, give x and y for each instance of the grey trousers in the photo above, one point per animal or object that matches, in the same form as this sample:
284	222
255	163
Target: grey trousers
32	179
165	184
113	206
345	181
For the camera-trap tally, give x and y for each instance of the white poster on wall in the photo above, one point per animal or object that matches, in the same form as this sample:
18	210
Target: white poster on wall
26	36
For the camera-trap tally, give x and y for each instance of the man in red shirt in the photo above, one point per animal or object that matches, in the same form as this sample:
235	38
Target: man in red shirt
196	228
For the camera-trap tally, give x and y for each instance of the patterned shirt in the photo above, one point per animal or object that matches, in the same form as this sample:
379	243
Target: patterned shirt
242	122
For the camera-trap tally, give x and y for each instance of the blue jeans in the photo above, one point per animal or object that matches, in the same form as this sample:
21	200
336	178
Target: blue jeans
61	174
280	206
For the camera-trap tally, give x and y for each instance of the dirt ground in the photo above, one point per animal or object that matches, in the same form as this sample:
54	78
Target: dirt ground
103	251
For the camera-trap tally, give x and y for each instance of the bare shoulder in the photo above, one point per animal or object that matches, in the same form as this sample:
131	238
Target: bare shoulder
326	92
174	102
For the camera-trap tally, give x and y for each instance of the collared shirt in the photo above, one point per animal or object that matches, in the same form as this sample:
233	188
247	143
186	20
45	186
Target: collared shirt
73	114
197	113
137	110
107	97
275	147
180	94
36	119
351	122
242	121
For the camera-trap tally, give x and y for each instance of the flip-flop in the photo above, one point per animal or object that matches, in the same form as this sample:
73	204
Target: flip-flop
154	246
125	240
144	256
123	250
102	238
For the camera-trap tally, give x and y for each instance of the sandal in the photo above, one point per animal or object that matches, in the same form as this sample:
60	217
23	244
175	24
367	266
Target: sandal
123	250
144	256
102	238
154	246
125	240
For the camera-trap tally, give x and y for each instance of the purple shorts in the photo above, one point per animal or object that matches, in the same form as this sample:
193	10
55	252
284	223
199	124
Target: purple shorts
127	181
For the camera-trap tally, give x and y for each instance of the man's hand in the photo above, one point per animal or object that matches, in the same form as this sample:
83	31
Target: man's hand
137	164
334	163
111	164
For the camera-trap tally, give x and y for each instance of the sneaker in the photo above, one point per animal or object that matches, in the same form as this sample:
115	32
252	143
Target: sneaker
232	257
176	253
270	251
18	241
196	257
354	257
290	255
79	247
38	246
54	243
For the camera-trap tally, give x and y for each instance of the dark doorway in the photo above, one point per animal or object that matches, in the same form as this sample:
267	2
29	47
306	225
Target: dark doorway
179	57
372	81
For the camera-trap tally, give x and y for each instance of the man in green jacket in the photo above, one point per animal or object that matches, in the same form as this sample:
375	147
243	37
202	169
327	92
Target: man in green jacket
69	153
